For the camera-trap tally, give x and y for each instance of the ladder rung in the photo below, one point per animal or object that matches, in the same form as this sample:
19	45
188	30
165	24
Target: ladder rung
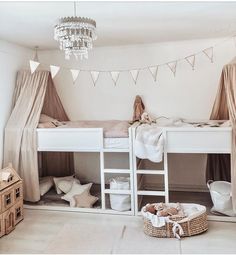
113	170
116	150
117	191
144	171
151	193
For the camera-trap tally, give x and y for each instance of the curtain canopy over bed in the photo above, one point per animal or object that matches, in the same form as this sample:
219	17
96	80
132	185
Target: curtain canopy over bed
220	167
34	94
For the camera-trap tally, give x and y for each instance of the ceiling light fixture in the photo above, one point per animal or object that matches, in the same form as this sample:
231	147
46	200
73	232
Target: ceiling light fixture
75	35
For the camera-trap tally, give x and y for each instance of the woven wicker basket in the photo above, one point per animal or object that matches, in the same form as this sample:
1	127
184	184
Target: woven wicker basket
190	225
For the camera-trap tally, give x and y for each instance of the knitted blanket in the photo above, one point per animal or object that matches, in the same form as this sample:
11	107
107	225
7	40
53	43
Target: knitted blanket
149	142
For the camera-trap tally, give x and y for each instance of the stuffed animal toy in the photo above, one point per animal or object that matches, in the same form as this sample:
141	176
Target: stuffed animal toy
167	212
145	118
138	108
151	208
164	211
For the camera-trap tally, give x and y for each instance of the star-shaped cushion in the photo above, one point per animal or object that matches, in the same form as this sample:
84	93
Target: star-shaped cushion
85	200
76	189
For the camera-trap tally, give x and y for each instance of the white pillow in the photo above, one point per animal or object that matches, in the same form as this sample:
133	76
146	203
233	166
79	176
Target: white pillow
45	184
65	186
76	189
58	179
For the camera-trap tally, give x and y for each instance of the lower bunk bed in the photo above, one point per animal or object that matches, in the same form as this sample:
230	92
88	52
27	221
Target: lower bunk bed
194	137
100	137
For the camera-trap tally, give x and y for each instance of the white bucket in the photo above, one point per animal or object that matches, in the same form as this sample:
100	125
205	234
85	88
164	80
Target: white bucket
221	197
120	202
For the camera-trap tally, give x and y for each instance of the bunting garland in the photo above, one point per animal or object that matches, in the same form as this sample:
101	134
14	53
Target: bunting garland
75	74
209	53
154	70
191	60
172	66
94	75
134	74
54	70
33	66
115	74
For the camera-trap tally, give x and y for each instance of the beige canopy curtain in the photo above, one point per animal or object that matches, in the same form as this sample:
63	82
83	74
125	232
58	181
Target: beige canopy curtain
20	146
55	163
223	167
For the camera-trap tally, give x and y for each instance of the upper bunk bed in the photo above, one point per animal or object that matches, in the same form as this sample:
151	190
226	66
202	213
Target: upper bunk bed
90	136
188	136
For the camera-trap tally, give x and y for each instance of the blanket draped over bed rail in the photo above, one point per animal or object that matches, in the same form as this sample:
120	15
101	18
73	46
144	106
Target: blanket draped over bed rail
33	94
218	166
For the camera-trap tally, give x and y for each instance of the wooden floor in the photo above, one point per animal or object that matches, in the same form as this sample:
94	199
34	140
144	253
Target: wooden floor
55	232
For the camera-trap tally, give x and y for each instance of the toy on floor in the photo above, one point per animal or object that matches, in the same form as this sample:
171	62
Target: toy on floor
162	210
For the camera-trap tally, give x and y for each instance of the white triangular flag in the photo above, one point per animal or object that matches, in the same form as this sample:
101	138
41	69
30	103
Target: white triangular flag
172	66
33	65
134	74
54	70
115	76
154	71
94	75
209	53
75	74
191	60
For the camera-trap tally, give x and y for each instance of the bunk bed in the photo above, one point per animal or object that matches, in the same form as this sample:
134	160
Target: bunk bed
210	140
92	136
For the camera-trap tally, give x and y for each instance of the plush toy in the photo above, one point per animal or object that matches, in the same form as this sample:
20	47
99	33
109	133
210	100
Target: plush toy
145	118
151	208
138	108
168	212
163	211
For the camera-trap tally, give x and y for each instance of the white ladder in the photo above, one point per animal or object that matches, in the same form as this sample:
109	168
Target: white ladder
138	174
129	172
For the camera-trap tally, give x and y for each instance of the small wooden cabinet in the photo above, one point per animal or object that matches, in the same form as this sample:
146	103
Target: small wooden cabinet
11	200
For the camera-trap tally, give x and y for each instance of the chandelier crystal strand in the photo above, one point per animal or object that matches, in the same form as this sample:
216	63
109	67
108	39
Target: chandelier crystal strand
75	35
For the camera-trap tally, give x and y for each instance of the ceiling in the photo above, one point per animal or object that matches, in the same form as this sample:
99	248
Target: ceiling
119	23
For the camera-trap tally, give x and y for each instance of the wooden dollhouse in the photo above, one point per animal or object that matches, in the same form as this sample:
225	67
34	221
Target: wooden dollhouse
11	200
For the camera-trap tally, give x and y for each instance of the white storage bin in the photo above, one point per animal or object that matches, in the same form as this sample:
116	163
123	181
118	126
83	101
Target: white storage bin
120	202
221	197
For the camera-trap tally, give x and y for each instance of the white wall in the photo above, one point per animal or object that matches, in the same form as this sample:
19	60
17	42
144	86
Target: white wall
189	95
12	58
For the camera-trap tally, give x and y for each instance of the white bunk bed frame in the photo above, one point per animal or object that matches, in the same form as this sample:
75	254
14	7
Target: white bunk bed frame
177	140
183	140
86	140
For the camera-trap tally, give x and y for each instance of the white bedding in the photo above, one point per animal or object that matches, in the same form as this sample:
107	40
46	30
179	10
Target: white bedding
116	143
149	141
111	128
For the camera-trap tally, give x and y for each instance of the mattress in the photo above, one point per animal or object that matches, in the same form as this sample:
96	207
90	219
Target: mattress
111	128
116	143
179	122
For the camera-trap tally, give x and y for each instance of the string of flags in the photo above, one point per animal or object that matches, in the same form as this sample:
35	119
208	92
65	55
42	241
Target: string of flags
115	74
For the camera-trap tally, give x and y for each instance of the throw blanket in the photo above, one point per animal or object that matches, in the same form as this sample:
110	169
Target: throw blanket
149	142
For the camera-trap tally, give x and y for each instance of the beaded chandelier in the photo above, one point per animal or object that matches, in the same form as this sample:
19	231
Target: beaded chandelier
75	35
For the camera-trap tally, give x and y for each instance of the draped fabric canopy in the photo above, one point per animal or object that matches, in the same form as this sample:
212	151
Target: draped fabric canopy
33	93
223	167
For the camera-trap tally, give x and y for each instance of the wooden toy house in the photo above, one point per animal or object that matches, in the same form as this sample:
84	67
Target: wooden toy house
11	200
